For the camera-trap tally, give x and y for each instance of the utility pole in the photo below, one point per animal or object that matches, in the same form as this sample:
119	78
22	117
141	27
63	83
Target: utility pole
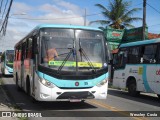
144	19
85	17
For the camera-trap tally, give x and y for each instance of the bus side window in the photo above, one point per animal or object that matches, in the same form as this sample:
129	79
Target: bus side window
34	46
19	53
29	48
134	55
158	54
122	59
149	55
23	52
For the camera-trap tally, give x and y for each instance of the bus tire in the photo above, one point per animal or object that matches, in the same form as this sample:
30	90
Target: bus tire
28	86
18	88
28	91
132	89
34	100
158	96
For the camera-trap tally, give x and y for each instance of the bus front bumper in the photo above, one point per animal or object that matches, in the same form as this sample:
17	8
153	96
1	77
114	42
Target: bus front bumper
43	93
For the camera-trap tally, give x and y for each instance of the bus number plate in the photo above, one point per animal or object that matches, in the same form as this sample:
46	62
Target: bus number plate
75	100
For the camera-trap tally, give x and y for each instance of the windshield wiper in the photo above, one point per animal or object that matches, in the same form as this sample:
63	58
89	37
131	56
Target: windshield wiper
82	52
65	60
72	51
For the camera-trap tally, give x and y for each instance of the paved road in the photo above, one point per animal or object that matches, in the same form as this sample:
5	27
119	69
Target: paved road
117	101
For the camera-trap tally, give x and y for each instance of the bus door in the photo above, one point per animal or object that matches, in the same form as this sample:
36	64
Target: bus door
157	80
22	66
34	61
149	68
119	69
2	62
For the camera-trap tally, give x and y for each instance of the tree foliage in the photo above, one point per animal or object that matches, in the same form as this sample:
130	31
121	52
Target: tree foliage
118	15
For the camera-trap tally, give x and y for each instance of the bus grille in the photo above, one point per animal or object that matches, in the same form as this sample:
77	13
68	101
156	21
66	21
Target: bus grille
76	95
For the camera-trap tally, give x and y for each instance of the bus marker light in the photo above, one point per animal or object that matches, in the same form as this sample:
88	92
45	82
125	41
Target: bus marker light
75	100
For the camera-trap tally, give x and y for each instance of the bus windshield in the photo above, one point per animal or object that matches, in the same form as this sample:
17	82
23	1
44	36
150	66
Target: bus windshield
66	49
91	52
9	58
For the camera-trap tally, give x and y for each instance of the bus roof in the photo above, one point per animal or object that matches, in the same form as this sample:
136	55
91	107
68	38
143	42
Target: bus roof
8	50
66	26
144	42
59	26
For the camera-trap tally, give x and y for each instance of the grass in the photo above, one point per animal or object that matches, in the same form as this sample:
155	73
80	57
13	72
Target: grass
12	104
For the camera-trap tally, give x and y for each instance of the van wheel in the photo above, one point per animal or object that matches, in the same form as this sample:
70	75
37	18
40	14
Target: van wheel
132	88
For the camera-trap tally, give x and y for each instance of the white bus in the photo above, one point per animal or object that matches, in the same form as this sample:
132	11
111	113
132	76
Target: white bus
7	62
62	63
137	67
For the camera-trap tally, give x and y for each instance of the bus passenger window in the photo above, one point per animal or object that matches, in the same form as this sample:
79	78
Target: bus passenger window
122	59
134	55
158	54
149	54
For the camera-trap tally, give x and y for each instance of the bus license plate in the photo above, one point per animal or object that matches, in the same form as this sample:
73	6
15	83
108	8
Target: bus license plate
75	100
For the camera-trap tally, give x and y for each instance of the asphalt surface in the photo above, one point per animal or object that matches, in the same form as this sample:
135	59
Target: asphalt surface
118	103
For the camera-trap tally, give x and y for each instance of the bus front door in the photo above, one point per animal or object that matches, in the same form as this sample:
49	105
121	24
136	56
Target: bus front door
22	66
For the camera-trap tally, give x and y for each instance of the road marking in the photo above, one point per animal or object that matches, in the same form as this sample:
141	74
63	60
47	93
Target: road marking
103	105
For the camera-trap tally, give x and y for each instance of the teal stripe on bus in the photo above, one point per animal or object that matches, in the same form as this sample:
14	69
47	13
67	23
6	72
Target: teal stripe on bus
66	26
145	81
140	43
144	75
71	83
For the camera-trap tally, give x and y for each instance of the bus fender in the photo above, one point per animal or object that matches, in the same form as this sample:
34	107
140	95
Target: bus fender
130	79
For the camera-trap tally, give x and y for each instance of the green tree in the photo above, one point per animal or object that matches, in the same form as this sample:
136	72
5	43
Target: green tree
118	15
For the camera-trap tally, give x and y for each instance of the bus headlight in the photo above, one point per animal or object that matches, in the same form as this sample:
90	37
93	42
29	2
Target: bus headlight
46	83
103	82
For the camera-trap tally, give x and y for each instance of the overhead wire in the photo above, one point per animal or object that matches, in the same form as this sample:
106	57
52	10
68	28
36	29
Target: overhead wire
4	9
1	6
153	8
5	22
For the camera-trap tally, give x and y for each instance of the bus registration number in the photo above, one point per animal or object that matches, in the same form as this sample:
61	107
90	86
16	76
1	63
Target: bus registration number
75	100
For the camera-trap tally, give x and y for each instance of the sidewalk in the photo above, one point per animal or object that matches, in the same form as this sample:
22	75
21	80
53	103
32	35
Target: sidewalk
5	104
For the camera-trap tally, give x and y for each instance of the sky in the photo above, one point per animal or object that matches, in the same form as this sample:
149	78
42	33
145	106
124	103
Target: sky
27	14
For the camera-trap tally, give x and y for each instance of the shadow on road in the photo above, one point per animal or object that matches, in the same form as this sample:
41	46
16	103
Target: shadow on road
6	76
151	100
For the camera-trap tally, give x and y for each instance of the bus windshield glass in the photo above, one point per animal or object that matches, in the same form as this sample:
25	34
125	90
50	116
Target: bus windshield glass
91	50
57	44
9	58
67	50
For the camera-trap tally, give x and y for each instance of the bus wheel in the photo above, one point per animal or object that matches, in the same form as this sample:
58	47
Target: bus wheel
18	88
132	88
34	100
158	96
28	87
28	90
